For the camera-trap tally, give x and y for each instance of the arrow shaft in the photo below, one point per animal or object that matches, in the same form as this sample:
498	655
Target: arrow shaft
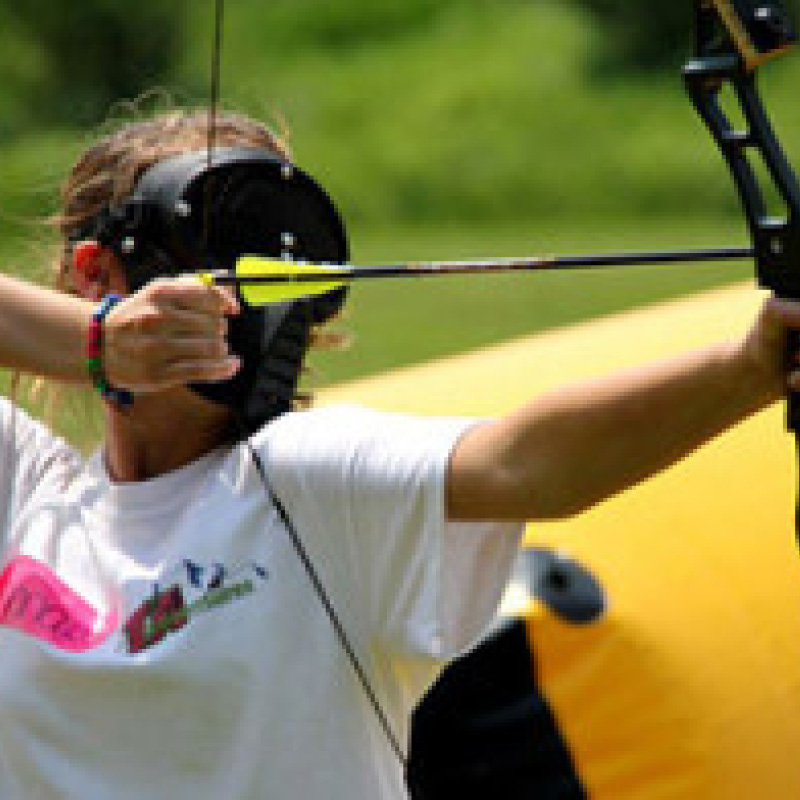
527	264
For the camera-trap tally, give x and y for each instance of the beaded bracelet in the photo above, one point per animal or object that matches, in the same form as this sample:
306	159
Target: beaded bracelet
94	355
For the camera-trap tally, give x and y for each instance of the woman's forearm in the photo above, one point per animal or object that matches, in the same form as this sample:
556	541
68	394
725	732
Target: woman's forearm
574	447
170	333
41	330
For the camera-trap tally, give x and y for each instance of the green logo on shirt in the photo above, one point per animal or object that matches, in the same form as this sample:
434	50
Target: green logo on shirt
166	610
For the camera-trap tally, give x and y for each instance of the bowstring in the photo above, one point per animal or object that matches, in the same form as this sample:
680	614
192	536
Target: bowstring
300	550
213	108
216	71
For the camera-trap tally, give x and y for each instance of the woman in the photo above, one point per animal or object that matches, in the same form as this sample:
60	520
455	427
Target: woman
234	599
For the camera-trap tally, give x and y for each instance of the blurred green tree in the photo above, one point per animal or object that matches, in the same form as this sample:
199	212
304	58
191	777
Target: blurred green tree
348	23
69	62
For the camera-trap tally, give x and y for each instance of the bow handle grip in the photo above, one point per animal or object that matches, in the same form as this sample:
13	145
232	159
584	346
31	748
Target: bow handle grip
793	398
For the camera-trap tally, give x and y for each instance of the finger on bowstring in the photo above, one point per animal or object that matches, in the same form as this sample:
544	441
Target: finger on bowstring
189	292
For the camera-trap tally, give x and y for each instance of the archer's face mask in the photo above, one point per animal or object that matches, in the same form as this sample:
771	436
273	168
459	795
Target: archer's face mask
188	214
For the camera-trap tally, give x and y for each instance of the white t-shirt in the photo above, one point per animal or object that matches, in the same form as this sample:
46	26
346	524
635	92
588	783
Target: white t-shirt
161	640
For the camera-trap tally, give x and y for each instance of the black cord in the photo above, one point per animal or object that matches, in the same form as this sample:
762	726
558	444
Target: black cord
327	604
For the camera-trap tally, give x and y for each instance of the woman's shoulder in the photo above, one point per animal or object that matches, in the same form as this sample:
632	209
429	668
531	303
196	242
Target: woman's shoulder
340	421
350	433
327	435
20	430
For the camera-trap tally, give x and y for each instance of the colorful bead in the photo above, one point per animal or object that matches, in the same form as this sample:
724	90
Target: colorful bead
93	355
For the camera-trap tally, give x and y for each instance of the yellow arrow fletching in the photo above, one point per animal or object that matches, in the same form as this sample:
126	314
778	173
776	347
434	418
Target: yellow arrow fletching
286	286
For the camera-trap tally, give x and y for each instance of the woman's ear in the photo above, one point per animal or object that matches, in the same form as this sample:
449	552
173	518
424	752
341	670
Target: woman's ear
89	268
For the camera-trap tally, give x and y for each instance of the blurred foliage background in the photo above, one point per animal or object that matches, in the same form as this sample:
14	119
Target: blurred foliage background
441	127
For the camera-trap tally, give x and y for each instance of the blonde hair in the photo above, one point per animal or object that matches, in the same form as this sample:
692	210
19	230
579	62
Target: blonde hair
108	171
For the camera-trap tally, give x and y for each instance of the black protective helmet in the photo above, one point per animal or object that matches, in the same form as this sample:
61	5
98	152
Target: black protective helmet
193	212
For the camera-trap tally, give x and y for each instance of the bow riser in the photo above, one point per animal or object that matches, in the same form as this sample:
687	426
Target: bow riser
776	239
733	38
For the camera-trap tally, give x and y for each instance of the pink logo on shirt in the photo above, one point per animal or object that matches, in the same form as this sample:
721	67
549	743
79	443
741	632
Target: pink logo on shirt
36	601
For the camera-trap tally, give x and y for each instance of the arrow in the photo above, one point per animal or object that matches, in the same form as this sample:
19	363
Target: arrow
262	281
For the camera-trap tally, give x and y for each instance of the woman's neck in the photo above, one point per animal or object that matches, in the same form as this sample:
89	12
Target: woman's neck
160	434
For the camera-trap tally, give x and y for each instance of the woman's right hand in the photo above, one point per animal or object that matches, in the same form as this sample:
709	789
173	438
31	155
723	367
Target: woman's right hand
169	333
